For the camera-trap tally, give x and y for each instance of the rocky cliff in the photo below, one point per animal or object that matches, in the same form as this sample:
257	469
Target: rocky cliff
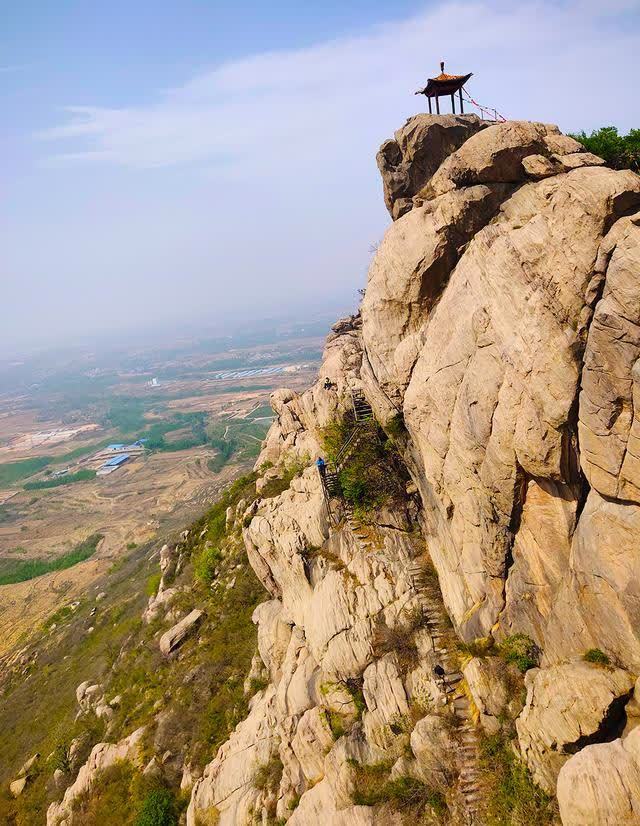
462	645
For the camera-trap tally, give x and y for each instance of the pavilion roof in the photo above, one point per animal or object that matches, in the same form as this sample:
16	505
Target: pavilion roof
444	84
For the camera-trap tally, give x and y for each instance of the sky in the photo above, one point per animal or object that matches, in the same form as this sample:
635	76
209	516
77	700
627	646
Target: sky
170	164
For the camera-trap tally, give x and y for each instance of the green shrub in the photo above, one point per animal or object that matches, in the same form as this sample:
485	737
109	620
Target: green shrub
62	757
158	808
369	782
206	563
520	650
257	684
619	151
277	486
335	722
511	796
408	792
294	802
372	786
268	776
110	797
120	794
596	656
372	473
153	582
354	687
395	428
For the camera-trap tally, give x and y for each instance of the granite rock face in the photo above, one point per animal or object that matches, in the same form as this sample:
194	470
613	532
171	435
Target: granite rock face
498	344
569	706
408	160
501	319
601	784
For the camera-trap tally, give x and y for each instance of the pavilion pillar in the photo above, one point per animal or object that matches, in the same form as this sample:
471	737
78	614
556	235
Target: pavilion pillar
429	99
461	103
453	103
437	104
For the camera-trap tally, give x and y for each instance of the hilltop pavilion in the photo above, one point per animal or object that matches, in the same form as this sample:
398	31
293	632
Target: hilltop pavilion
442	85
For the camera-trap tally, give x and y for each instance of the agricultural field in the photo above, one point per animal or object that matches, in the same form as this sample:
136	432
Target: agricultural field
197	411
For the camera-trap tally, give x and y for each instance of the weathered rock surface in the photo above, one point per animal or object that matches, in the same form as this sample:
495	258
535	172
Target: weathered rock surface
409	160
410	270
227	784
491	682
175	636
102	756
609	425
433	749
498	341
16	787
494	367
160	601
568	707
600	785
301	417
495	155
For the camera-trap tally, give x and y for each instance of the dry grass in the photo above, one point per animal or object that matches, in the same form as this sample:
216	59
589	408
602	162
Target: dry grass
400	640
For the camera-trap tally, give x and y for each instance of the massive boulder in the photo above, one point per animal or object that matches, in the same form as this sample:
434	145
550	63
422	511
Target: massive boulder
410	271
409	159
568	707
474	328
496	155
600	785
172	639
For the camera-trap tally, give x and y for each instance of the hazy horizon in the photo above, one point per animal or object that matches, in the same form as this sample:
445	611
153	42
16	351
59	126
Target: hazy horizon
189	164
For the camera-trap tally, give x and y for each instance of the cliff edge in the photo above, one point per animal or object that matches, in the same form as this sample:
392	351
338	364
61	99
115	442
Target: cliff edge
452	629
497	344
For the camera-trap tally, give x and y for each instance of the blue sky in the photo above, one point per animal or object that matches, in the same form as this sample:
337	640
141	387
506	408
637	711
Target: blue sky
171	162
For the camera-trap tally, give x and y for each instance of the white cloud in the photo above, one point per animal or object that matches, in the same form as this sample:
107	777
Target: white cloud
538	60
252	186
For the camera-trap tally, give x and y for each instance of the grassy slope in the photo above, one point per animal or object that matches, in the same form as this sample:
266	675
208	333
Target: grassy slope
37	709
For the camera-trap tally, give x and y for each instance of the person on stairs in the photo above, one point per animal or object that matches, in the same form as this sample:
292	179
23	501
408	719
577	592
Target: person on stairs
322	467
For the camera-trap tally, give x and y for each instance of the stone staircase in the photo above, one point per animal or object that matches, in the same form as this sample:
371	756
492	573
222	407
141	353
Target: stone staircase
468	752
361	408
362	427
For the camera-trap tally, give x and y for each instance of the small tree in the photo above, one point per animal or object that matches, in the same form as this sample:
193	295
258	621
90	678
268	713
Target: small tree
619	151
157	809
